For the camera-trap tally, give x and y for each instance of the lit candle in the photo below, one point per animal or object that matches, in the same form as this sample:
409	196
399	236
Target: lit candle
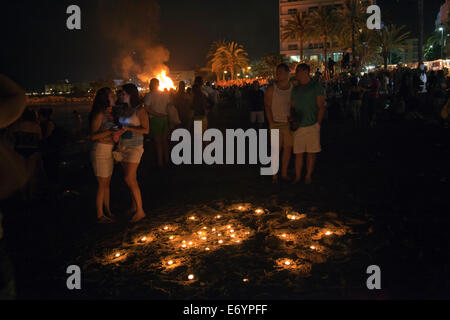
117	255
233	236
232	231
219	216
190	243
228	227
191	277
170	263
328	233
192	218
259	211
220	241
214	229
144	239
171	237
245	280
183	246
284	235
166	228
207	249
313	248
287	262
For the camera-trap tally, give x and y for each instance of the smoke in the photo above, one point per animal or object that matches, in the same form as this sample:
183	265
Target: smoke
134	27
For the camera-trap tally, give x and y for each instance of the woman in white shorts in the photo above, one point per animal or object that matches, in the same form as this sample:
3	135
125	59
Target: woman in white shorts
134	120
102	128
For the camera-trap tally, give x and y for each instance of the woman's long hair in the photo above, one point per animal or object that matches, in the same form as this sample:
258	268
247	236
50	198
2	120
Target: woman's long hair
133	92
101	102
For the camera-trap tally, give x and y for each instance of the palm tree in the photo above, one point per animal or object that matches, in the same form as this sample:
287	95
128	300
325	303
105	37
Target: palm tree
388	39
296	29
227	57
265	67
323	24
353	16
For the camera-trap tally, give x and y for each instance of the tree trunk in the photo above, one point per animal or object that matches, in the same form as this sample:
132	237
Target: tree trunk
420	49
301	49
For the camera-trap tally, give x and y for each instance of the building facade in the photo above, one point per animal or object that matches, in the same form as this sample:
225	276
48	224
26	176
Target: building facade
313	49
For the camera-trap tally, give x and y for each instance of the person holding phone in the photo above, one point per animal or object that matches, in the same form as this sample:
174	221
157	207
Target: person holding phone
103	133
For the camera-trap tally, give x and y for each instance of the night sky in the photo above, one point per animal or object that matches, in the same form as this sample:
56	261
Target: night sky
37	48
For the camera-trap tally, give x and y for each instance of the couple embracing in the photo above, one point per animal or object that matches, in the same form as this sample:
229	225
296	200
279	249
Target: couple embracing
297	110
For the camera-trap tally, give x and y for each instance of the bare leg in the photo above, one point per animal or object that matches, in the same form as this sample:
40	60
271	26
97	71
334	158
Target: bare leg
131	180
102	186
311	164
298	167
107	197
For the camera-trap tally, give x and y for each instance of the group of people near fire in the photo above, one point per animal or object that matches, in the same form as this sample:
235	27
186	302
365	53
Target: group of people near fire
119	124
295	102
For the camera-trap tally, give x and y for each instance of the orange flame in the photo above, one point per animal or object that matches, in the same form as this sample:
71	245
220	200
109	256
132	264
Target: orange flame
165	82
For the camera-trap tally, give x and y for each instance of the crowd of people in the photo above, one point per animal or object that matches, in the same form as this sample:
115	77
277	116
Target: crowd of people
122	122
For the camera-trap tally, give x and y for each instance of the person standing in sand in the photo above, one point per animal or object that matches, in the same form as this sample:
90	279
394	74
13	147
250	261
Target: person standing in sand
308	104
277	101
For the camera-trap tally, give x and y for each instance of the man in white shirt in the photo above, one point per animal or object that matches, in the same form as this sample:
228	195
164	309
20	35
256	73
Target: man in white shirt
157	106
277	102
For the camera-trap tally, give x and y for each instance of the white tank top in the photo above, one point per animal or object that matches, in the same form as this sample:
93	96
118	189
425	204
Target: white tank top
281	104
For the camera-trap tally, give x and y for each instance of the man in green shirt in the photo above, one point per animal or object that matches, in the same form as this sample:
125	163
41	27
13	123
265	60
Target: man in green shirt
308	104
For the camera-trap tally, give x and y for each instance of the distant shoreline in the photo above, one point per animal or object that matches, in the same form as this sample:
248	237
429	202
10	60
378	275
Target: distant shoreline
57	101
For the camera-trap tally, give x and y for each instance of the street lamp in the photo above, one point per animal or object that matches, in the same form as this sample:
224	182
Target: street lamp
442	42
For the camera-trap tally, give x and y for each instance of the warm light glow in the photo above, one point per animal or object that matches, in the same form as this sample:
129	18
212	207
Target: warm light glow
207	249
219	216
170	263
191	277
232	231
144	239
204	238
166	228
287	262
164	81
117	255
220	241
171	237
313	248
284	235
192	218
184	246
245	280
259	211
233	236
328	233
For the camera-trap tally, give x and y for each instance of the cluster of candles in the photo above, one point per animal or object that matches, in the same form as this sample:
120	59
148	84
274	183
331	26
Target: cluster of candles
214	237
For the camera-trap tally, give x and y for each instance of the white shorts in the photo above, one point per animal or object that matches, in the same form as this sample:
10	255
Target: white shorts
129	154
102	160
307	140
257	117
